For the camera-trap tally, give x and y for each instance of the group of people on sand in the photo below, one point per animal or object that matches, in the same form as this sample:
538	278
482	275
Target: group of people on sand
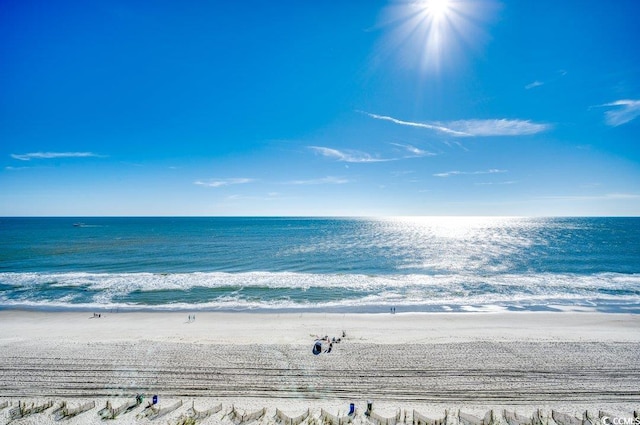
317	345
96	316
192	318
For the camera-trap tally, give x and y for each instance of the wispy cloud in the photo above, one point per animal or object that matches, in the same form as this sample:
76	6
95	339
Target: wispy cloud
428	126
626	110
348	155
222	182
534	85
497	183
414	152
475	127
355	156
603	197
52	155
499	127
469	173
549	79
323	180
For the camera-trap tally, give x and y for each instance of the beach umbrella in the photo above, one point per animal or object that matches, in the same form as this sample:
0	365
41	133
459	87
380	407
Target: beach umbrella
317	348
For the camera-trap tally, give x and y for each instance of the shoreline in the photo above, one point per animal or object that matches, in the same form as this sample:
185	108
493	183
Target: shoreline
622	308
570	362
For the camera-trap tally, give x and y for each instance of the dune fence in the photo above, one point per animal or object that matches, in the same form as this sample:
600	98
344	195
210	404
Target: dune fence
506	417
154	411
23	409
109	412
381	420
66	412
419	419
330	419
202	414
467	419
564	419
240	418
287	420
61	411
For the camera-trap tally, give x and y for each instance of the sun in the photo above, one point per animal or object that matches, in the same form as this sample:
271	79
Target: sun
432	34
437	9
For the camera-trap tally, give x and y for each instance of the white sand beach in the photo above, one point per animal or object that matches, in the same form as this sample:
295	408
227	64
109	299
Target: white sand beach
430	363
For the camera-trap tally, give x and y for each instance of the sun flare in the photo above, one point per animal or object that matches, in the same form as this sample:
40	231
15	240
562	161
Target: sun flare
432	33
437	9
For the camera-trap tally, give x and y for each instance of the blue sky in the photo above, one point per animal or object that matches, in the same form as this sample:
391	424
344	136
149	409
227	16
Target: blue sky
300	107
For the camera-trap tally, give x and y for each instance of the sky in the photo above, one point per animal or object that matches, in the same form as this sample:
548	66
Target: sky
319	108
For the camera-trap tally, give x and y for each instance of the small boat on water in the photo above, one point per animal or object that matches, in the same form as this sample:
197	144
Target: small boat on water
78	224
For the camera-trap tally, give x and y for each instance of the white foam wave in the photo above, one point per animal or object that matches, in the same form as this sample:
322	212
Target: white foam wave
293	290
156	281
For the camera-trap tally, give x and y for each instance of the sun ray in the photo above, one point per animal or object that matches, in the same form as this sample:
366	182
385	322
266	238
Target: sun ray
430	33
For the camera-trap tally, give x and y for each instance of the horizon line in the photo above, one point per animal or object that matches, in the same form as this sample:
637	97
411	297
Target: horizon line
364	216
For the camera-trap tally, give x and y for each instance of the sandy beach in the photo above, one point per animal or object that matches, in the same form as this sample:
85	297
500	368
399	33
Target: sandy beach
430	363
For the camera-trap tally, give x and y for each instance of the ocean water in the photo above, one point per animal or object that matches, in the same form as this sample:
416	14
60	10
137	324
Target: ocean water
321	264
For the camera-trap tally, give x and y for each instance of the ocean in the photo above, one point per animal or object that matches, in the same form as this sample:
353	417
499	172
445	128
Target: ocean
411	264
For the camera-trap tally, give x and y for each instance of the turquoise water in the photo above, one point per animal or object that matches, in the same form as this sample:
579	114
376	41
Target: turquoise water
361	265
